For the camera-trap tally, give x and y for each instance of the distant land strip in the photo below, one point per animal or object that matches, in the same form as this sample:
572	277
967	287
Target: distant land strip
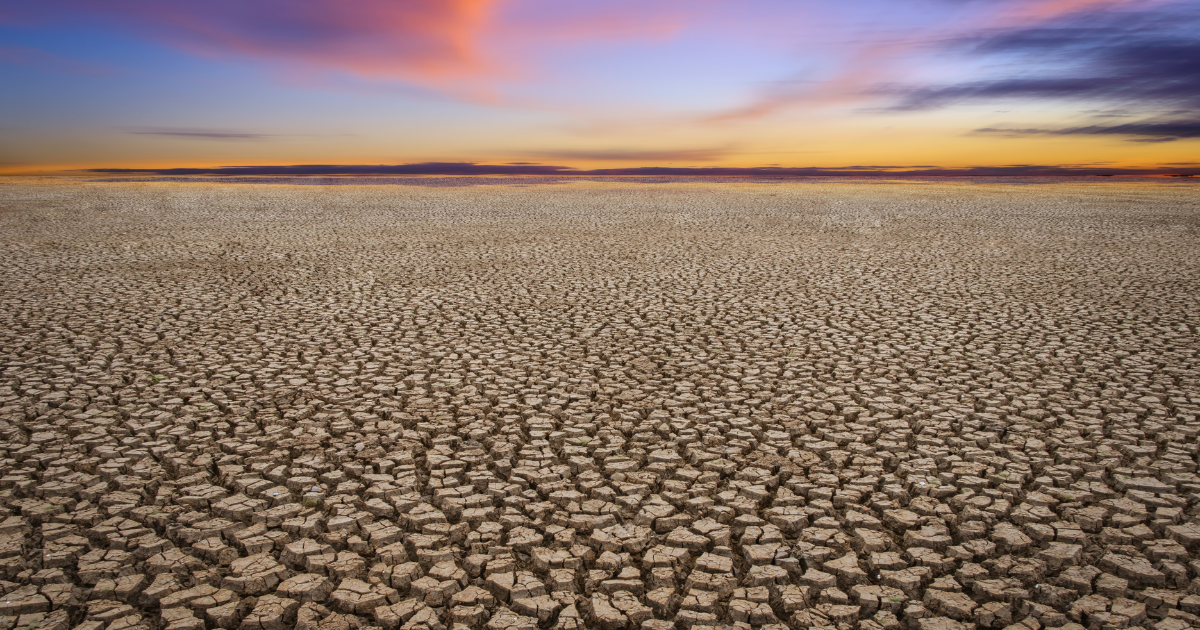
472	168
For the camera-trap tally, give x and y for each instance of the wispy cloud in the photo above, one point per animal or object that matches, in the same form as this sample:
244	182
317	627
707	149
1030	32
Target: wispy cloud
201	134
1144	51
1147	59
1016	13
637	155
1165	131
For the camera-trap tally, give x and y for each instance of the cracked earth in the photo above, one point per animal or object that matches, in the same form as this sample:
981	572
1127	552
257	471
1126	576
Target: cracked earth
882	406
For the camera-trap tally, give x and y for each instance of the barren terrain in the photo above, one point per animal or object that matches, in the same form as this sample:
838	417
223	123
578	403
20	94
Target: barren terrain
609	405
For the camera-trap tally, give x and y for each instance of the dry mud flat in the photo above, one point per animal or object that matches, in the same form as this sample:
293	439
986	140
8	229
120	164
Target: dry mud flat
588	405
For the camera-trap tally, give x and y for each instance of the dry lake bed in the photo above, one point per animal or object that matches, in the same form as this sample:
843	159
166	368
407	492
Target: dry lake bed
620	404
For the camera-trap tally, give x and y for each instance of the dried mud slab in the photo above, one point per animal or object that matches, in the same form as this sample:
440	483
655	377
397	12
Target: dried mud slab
600	405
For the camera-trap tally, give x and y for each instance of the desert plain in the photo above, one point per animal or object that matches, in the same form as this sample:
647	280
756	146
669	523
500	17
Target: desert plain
605	404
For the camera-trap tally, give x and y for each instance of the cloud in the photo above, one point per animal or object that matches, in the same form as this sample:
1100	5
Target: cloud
1166	131
1142	50
463	48
633	155
474	169
1025	12
1148	59
610	20
200	134
420	40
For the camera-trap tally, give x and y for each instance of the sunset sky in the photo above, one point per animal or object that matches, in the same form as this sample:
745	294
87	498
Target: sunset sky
600	84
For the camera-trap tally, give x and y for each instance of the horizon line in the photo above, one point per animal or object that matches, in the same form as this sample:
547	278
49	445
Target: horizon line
477	169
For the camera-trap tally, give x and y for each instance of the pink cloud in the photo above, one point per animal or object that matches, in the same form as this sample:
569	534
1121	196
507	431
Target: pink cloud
1034	11
420	40
459	46
555	22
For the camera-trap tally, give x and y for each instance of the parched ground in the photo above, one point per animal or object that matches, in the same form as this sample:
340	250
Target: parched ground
611	405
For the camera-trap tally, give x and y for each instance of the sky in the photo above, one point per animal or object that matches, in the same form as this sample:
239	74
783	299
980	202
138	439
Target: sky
602	86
